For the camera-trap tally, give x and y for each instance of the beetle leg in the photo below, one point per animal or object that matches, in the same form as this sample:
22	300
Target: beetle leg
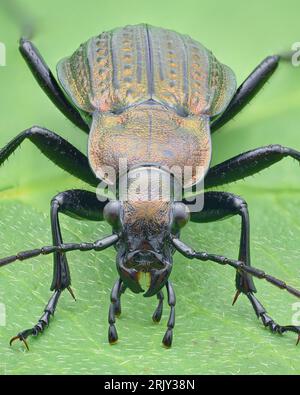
42	322
114	297
75	203
248	89
58	150
48	83
190	253
220	205
117	305
268	322
247	164
167	340
156	317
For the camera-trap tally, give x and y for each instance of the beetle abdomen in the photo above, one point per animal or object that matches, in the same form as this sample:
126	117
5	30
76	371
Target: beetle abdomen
134	64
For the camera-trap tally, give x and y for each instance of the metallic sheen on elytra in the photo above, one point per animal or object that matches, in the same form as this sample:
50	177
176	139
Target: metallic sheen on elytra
151	93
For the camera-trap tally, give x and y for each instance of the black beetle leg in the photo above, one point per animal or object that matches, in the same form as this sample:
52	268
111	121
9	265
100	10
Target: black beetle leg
55	148
117	305
268	322
220	205
77	203
156	317
112	332
204	256
247	164
42	322
168	338
48	83
248	89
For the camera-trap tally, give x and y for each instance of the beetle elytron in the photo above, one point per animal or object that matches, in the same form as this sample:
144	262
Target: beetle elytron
153	97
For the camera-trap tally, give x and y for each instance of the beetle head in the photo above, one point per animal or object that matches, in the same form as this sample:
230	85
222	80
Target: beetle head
144	248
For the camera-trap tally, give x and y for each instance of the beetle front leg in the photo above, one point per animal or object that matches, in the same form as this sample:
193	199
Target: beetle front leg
260	311
156	317
42	322
114	299
220	205
79	204
268	322
168	338
118	302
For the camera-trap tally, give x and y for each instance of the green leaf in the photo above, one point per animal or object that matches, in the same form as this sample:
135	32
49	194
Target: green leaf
210	335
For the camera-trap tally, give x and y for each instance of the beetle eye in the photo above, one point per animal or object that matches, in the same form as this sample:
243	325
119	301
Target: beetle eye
181	215
111	213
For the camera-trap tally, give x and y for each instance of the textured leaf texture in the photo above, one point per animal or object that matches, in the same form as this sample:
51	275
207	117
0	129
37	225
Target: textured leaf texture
211	336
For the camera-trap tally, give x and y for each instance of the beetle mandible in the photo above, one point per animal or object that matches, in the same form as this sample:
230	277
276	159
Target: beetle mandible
153	97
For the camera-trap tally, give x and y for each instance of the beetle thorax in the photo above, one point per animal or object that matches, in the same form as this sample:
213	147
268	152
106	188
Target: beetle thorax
150	133
150	191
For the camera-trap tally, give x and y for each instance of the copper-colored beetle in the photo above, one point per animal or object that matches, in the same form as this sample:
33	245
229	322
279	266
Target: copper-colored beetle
150	97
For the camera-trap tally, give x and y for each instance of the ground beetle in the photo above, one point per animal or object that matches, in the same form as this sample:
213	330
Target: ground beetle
153	97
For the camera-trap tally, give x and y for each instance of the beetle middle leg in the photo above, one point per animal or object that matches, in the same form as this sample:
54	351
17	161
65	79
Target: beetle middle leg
247	164
55	148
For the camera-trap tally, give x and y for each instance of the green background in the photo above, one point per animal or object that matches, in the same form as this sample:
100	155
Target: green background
210	335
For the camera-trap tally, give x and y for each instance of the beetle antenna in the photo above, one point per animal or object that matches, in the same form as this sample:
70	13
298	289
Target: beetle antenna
238	265
98	245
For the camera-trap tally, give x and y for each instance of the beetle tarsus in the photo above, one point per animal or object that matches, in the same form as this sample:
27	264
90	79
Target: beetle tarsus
43	322
156	317
268	322
21	338
114	306
112	334
168	338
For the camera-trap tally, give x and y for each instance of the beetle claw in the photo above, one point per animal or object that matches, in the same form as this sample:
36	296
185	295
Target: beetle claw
21	338
298	340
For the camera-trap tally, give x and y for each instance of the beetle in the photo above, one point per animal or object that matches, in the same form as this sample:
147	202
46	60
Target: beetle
153	97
